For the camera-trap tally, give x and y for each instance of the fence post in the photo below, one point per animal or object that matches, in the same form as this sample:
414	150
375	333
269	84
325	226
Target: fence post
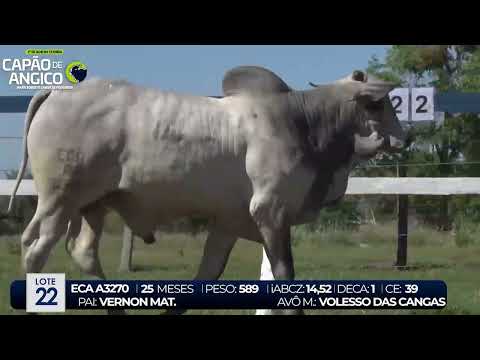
127	250
402	223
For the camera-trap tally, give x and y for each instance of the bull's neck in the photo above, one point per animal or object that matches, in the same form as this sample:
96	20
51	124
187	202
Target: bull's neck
324	116
321	116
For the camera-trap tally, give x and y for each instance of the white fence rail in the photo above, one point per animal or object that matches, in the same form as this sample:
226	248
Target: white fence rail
413	186
26	188
356	186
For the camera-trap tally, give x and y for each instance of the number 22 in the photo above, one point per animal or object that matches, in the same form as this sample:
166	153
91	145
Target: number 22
397	102
45	292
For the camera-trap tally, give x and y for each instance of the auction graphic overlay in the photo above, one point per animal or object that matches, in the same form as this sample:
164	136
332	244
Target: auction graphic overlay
52	293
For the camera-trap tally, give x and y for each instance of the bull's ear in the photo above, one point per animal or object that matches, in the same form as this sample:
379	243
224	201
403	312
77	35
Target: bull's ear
374	91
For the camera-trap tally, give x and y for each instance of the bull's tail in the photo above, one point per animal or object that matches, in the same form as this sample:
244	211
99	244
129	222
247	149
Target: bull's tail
33	107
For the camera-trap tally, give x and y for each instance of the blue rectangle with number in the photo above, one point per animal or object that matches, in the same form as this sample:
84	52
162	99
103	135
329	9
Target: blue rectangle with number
255	294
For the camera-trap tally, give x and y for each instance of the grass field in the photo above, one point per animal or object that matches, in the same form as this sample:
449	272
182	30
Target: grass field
367	254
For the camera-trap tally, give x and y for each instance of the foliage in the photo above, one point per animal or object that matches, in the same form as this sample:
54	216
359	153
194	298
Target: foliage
343	216
456	140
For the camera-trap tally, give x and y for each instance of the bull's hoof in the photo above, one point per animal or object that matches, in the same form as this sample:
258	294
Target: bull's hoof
149	239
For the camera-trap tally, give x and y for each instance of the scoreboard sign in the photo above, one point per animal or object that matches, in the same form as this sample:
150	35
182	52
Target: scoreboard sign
414	105
51	293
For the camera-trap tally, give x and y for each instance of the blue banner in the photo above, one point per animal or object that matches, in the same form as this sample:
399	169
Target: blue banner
44	293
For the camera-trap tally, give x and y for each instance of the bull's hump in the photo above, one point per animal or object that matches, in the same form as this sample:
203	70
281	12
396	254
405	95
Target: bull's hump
252	79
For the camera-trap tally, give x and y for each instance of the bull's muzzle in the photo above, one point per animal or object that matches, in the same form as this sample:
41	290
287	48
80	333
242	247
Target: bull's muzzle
368	146
393	144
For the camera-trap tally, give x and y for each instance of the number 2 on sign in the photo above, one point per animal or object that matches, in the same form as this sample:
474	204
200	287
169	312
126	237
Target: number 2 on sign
399	99
398	103
423	104
421	107
44	292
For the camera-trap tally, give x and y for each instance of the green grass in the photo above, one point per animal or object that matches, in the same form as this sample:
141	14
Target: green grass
366	254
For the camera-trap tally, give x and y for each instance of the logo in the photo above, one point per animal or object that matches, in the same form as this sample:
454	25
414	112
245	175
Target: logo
40	69
76	72
45	293
44	52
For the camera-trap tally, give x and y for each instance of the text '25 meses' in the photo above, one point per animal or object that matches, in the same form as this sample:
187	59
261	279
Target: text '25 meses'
79	288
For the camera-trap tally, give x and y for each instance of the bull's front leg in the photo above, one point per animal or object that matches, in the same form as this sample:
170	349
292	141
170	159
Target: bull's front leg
270	215
266	275
280	182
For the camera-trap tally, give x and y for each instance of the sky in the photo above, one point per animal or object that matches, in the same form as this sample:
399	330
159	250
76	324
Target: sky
196	69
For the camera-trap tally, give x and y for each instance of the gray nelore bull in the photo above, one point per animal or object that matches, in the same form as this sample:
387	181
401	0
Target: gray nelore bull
255	162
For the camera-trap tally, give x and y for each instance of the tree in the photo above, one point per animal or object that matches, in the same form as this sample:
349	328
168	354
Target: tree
446	67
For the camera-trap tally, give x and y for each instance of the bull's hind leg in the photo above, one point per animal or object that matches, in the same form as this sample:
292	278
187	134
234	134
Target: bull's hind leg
84	249
31	233
51	224
72	233
216	251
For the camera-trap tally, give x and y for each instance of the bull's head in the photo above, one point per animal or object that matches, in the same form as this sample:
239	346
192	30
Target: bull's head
375	126
378	127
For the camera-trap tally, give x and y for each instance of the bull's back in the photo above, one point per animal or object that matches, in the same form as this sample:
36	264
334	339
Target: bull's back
74	143
182	151
186	153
